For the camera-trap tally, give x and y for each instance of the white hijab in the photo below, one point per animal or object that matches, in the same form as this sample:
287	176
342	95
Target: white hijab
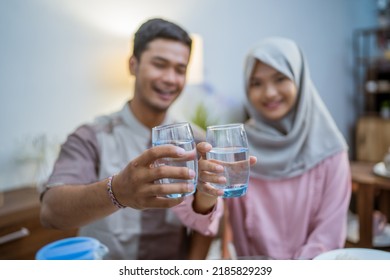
306	135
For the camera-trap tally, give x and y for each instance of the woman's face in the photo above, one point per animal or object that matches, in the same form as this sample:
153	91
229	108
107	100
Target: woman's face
271	93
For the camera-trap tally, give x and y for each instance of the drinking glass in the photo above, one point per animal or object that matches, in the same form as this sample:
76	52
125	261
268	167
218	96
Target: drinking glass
178	134
230	149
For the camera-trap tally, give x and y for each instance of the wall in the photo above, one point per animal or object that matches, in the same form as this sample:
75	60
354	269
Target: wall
64	62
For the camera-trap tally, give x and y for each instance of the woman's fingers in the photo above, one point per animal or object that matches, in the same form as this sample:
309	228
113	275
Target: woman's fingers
202	148
210	190
252	160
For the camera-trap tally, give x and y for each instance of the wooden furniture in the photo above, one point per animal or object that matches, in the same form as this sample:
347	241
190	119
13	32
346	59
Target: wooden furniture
366	186
372	138
21	233
372	93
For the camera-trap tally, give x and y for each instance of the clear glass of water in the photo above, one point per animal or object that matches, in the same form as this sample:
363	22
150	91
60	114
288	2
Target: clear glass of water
230	149
178	134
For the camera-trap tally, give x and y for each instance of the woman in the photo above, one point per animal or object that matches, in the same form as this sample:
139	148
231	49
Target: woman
299	190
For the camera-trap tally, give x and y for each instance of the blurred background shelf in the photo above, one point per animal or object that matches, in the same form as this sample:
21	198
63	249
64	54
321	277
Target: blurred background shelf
372	89
372	138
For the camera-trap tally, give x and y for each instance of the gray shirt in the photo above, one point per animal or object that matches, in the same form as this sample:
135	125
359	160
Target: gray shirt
98	150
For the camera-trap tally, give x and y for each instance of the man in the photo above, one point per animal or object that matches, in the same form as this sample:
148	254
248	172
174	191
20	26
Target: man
82	191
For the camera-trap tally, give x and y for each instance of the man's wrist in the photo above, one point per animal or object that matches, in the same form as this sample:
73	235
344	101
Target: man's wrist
111	194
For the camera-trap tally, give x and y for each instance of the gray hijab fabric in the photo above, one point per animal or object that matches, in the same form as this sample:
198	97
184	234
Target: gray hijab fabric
306	135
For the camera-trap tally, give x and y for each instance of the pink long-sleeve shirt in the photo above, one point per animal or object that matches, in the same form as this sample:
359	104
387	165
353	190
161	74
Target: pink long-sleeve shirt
296	218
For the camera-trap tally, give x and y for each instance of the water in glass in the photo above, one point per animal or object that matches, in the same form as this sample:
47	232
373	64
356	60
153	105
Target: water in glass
235	160
179	135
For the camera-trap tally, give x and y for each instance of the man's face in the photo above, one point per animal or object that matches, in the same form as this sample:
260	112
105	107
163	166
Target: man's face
160	73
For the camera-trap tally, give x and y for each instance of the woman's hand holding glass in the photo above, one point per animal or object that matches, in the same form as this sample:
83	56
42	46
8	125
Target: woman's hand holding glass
230	149
210	172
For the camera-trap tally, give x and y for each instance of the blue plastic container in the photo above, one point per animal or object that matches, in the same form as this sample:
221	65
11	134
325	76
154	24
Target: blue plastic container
73	248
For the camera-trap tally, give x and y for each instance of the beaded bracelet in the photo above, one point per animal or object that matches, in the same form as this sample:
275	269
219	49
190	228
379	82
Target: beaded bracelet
111	194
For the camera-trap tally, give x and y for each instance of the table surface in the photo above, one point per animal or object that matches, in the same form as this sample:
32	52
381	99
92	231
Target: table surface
362	173
18	203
